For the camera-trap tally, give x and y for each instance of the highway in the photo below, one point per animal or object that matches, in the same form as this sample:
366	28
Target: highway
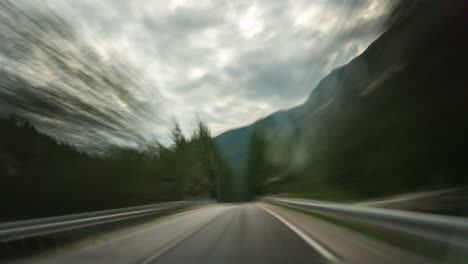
256	232
244	233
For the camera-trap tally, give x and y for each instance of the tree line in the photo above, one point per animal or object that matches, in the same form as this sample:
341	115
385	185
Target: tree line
41	176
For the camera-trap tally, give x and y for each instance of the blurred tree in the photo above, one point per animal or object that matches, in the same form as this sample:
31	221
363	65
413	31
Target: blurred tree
259	164
42	177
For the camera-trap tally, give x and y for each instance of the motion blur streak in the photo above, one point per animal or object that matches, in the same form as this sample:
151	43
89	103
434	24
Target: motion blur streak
377	125
116	72
54	79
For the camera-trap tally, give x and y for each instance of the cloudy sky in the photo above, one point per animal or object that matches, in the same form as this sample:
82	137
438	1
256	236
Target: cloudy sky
225	62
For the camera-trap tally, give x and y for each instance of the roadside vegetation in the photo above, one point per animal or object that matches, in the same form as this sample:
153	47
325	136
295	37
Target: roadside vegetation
42	177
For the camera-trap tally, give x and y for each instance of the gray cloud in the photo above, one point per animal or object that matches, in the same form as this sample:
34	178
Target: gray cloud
228	62
64	86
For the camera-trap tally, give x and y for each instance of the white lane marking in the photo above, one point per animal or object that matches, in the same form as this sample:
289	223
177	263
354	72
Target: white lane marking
181	237
323	251
168	246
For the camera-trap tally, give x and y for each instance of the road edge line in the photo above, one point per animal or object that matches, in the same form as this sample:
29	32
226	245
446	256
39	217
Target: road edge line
320	249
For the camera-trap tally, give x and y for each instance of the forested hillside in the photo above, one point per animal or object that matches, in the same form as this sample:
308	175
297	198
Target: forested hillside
234	143
392	120
42	177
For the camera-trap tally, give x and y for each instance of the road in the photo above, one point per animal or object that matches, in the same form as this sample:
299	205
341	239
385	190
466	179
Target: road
242	233
246	233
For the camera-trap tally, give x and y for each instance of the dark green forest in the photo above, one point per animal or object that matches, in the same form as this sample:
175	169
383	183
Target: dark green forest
42	177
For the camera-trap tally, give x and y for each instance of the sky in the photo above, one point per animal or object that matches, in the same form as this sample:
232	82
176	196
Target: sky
227	63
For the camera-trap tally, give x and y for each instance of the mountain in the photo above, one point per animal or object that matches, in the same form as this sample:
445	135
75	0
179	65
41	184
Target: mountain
397	111
234	143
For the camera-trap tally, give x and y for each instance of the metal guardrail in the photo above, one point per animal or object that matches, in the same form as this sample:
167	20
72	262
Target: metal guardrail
43	226
448	230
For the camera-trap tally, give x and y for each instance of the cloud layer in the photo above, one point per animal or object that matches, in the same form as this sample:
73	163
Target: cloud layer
225	62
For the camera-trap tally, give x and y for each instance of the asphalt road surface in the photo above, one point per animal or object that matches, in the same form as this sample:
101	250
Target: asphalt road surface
241	233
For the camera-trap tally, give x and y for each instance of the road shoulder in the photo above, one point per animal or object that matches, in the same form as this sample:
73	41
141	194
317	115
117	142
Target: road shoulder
347	245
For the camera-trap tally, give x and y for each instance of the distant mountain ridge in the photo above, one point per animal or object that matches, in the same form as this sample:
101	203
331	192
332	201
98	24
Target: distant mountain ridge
234	143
